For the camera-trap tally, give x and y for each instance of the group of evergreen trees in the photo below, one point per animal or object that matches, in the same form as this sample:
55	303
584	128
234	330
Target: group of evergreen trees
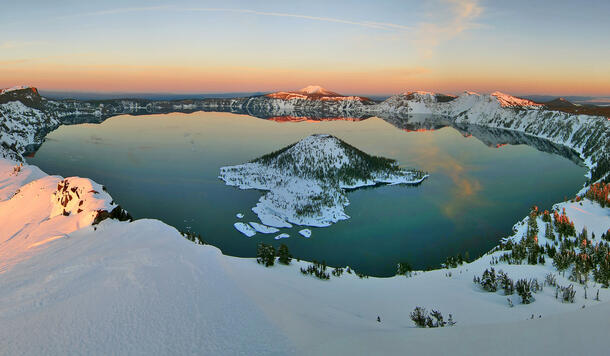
266	254
491	281
404	269
318	270
454	261
434	319
599	192
191	236
580	255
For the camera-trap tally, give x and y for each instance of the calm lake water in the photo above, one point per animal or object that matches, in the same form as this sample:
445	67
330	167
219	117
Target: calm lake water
166	167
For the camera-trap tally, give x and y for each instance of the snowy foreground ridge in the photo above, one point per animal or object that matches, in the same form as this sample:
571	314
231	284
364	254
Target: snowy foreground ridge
69	287
305	181
141	288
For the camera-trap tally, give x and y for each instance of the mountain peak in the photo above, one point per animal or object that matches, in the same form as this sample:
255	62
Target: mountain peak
315	92
420	92
507	100
316	89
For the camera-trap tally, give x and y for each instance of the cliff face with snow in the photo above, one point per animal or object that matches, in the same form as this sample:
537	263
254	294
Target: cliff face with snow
23	121
587	135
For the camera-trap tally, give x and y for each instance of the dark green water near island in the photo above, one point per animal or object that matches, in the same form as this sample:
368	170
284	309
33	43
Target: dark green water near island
166	167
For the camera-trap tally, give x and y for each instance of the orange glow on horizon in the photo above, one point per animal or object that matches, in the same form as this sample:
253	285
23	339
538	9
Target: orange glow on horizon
216	79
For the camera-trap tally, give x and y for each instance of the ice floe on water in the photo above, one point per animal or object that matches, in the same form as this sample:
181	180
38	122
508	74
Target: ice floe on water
282	236
245	229
263	229
305	232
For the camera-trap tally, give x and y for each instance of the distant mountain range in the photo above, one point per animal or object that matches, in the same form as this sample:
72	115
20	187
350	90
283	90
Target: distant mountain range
84	95
26	116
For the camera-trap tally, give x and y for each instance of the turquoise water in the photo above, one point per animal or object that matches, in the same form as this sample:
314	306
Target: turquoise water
166	167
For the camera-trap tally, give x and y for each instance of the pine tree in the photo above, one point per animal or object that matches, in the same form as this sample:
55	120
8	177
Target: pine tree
450	321
404	268
265	254
488	280
419	316
439	322
284	255
524	290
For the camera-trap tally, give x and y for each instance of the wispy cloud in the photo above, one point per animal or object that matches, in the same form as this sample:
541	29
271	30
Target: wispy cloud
368	24
456	17
121	10
445	20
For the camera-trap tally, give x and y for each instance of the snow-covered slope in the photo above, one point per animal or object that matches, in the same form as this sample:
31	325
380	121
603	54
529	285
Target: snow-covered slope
41	208
306	181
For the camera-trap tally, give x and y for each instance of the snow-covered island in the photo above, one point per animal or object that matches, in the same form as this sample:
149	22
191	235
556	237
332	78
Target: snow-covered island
306	181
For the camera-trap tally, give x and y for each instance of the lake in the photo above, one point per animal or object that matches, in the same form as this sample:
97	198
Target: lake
166	167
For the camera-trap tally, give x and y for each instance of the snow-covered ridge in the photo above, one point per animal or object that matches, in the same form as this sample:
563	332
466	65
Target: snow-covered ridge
16	88
587	135
314	92
512	101
306	181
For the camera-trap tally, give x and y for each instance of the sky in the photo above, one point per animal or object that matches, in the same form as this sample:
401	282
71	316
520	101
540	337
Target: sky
553	47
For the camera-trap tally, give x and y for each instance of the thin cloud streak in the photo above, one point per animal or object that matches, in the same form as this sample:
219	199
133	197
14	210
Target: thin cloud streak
122	10
369	24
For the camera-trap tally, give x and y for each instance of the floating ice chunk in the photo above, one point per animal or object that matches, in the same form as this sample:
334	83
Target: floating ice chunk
263	229
245	229
239	215
269	219
282	236
305	232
